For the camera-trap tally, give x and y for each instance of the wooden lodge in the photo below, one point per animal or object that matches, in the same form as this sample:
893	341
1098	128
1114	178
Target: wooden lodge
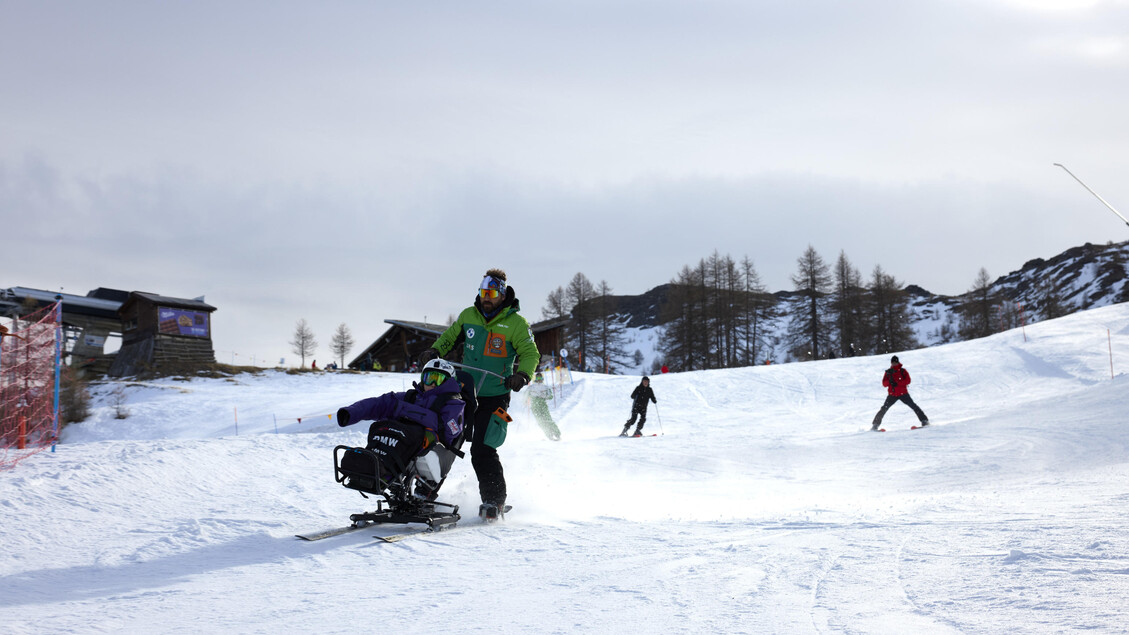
397	349
163	332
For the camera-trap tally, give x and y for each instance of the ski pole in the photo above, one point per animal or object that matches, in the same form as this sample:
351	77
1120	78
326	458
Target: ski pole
480	370
659	415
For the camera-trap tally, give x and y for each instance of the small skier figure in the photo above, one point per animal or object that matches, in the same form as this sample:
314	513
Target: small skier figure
896	380
539	395
640	395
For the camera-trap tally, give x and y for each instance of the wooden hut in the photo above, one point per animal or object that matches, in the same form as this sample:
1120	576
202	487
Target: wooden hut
398	347
163	333
550	338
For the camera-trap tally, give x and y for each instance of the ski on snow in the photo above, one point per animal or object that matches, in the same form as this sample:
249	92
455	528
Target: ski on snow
338	531
442	529
329	533
911	428
419	532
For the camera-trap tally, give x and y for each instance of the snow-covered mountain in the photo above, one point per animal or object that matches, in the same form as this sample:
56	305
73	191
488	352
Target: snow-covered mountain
1088	276
1080	278
764	505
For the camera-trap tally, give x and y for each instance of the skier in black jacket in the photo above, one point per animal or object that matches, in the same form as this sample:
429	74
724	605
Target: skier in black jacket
639	396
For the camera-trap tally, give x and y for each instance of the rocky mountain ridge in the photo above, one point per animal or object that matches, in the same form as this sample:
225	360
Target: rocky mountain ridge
1079	278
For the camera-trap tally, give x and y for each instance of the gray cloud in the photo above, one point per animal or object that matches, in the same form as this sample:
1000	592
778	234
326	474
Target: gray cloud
351	162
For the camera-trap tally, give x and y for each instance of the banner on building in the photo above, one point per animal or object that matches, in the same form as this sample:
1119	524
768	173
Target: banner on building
181	322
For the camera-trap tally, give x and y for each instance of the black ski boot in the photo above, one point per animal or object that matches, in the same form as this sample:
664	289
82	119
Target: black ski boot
425	490
625	429
638	432
492	512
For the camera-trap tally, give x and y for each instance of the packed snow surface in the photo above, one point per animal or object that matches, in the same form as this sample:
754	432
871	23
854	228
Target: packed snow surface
765	505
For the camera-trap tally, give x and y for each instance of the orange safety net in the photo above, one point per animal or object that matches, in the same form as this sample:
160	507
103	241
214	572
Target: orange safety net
27	385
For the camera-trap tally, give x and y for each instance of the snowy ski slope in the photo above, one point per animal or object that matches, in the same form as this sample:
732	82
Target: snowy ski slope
765	506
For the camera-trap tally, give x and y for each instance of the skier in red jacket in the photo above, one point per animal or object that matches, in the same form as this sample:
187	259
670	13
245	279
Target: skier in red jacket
896	380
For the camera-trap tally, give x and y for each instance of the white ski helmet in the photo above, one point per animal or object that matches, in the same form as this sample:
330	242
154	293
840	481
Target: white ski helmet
438	364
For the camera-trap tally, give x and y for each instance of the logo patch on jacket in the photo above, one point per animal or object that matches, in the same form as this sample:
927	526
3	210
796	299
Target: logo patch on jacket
495	345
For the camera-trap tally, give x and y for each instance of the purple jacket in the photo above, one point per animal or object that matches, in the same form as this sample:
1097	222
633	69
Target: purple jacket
447	425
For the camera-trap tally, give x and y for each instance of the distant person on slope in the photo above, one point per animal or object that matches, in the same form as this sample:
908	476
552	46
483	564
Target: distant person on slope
539	395
639	396
896	380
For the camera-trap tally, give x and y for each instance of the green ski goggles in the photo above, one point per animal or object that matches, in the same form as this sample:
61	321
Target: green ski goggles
432	377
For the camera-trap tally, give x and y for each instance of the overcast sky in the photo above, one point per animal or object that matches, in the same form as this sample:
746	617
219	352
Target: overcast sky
348	162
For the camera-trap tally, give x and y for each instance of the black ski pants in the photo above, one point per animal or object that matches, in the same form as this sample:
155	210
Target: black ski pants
637	412
487	464
907	400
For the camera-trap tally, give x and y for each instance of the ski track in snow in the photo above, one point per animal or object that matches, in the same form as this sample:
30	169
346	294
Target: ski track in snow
765	505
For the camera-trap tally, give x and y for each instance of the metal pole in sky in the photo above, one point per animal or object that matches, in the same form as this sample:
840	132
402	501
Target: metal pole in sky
1094	193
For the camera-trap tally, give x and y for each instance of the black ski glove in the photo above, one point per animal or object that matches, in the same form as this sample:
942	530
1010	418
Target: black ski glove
342	417
516	381
427	355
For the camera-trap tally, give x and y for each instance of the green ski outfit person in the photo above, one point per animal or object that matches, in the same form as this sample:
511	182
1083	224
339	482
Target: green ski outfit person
493	336
539	395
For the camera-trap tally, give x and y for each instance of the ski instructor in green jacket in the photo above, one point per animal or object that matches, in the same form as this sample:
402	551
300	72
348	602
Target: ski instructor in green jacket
493	336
